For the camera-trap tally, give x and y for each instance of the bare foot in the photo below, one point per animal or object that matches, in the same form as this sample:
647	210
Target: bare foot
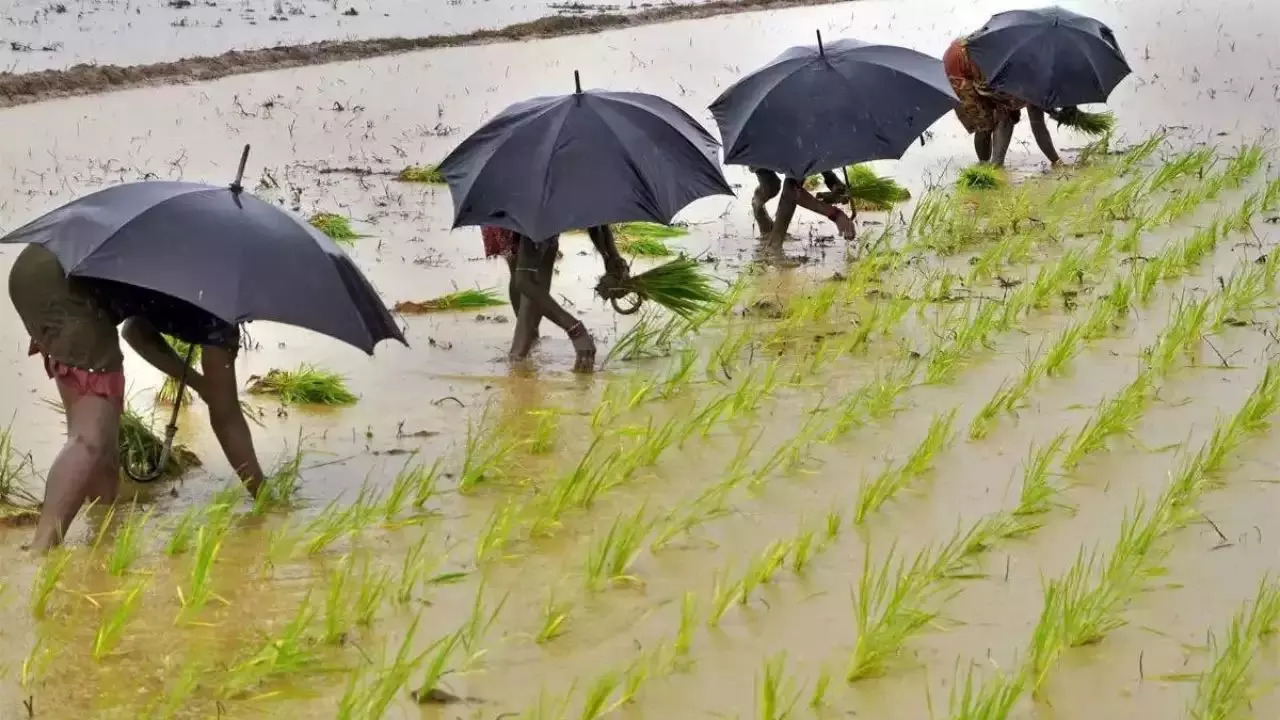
763	221
585	347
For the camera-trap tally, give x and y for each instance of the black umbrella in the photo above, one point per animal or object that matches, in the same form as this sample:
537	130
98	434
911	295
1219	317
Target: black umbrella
219	249
1049	57
565	162
816	108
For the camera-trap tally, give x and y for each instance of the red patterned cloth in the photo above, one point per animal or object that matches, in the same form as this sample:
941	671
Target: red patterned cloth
980	106
498	242
82	383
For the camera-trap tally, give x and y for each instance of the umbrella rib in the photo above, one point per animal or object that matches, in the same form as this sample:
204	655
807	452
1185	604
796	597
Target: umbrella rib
552	142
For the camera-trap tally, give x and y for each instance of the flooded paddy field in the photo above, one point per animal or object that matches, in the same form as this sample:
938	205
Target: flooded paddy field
1010	459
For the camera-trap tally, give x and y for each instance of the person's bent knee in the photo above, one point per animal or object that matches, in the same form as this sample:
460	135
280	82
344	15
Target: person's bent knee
769	185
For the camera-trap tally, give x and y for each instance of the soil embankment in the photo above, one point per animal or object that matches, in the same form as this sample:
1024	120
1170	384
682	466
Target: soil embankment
84	79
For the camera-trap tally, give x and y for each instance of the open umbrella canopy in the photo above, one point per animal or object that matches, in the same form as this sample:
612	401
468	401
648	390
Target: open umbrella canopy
565	162
1049	57
822	107
220	249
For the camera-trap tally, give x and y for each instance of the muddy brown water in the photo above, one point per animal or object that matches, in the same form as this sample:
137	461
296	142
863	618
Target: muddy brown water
1213	86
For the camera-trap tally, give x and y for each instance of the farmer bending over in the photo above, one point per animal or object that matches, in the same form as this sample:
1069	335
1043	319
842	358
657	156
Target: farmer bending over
794	193
72	325
989	115
531	265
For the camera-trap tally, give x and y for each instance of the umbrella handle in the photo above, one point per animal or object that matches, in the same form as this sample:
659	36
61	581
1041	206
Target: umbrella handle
635	306
244	159
171	429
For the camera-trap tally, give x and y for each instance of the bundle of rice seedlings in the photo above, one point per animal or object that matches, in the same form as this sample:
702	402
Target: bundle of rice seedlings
980	176
643	246
872	192
648	230
337	227
169	390
305	386
140	446
679	285
18	505
421	174
457	300
1095	124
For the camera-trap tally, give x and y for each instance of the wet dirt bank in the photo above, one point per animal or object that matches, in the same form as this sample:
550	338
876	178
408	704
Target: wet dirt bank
86	79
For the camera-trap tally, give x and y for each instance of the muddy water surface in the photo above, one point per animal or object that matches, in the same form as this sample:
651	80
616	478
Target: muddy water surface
1213	87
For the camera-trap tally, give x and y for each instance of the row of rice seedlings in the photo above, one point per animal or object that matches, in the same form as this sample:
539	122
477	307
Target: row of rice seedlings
306	385
469	299
895	478
1224	689
1079	609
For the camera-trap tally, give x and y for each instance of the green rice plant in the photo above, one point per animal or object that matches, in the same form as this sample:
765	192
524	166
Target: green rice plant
610	558
470	299
643	246
372	589
802	549
776	694
307	385
486	451
183	532
818	698
438	657
684	632
112	626
168	392
1063	350
199	591
370	699
893	480
994	701
429	174
183	685
1141	152
47	580
287	654
16	499
497	532
679	285
554	616
980	177
1039	493
415	568
337	610
762	568
336	227
654	230
1223	690
140	445
1089	123
1115	416
723	593
871	192
889	607
128	545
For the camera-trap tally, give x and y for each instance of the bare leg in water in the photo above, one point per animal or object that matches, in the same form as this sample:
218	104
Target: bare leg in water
1044	140
536	303
982	145
1000	140
86	467
793	195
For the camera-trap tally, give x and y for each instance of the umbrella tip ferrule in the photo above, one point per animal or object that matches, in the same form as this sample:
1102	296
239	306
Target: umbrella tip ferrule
822	50
577	83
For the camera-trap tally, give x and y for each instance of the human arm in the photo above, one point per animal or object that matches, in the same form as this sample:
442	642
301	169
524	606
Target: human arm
603	240
220	393
147	341
1041	133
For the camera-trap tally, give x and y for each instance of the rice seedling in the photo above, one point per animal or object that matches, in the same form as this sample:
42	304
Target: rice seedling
336	227
438	656
893	480
414	570
183	532
337	611
1115	416
47	580
140	445
679	286
112	626
776	694
980	177
684	632
429	174
1063	350
371	699
762	568
200	588
307	385
287	654
1089	123
1223	690
554	616
1038	494
802	551
610	558
497	532
168	392
372	588
994	701
486	451
16	500
871	192
723	593
128	545
889	607
470	299
643	246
